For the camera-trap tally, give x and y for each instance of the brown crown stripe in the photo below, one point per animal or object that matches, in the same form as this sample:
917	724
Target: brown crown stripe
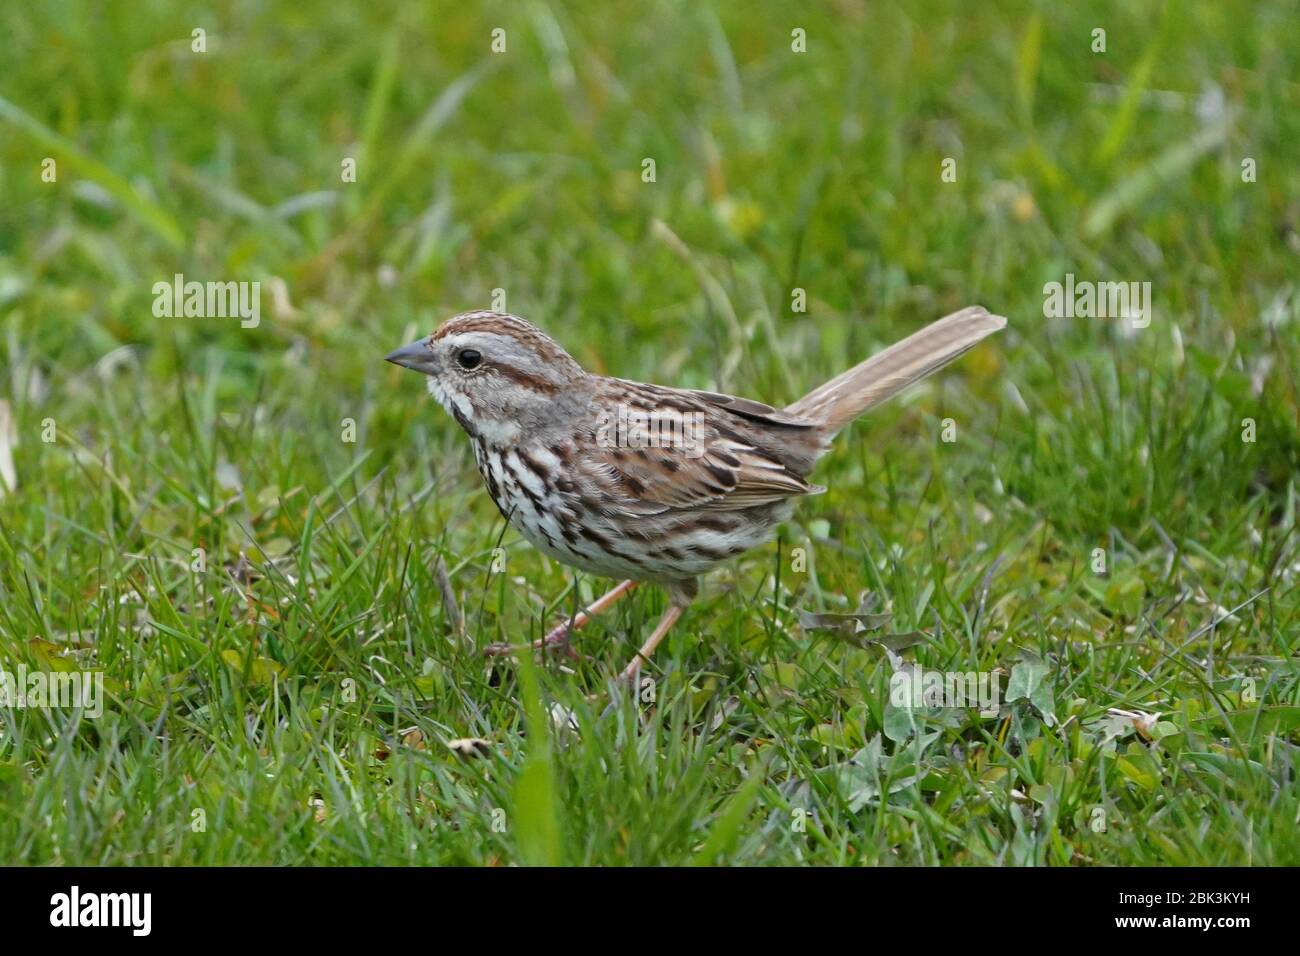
498	324
482	322
507	325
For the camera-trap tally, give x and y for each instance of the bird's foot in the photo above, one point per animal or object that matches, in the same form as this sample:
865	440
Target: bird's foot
556	640
559	635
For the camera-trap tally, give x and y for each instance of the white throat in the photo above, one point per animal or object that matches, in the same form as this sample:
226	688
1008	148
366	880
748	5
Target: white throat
493	431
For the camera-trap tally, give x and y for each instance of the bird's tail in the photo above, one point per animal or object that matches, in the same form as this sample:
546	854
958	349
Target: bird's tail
887	373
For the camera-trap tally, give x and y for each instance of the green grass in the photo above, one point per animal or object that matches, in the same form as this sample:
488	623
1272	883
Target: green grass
301	691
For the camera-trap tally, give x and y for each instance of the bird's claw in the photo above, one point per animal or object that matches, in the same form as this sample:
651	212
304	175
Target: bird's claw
503	649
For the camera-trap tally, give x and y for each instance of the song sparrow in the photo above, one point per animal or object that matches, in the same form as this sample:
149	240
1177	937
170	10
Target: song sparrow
644	482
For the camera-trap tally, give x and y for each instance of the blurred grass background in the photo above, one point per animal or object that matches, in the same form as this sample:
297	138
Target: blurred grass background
775	170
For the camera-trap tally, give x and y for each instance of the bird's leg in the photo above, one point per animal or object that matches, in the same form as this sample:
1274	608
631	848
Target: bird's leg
558	636
661	630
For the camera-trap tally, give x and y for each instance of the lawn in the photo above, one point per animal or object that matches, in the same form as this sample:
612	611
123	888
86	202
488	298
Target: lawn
277	552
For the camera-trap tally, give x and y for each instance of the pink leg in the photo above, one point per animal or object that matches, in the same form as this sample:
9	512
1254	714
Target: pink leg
660	632
559	635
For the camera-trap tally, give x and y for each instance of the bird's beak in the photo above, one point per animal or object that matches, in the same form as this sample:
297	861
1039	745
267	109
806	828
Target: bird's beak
414	356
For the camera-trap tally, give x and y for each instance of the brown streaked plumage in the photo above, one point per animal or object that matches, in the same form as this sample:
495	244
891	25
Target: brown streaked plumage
705	477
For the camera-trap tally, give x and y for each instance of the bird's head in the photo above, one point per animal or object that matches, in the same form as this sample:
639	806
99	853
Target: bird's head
491	371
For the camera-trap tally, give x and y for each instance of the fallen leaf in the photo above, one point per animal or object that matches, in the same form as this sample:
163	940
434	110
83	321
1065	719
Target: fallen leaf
1144	723
844	625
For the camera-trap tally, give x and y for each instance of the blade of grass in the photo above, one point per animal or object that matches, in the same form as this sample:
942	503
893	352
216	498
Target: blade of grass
1173	162
535	802
150	214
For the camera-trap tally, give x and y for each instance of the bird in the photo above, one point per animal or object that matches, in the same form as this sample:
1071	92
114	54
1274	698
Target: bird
646	483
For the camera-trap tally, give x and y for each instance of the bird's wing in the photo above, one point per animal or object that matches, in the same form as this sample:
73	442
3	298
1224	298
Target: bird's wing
703	451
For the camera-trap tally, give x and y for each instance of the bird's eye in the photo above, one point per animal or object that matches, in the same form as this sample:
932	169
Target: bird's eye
469	359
